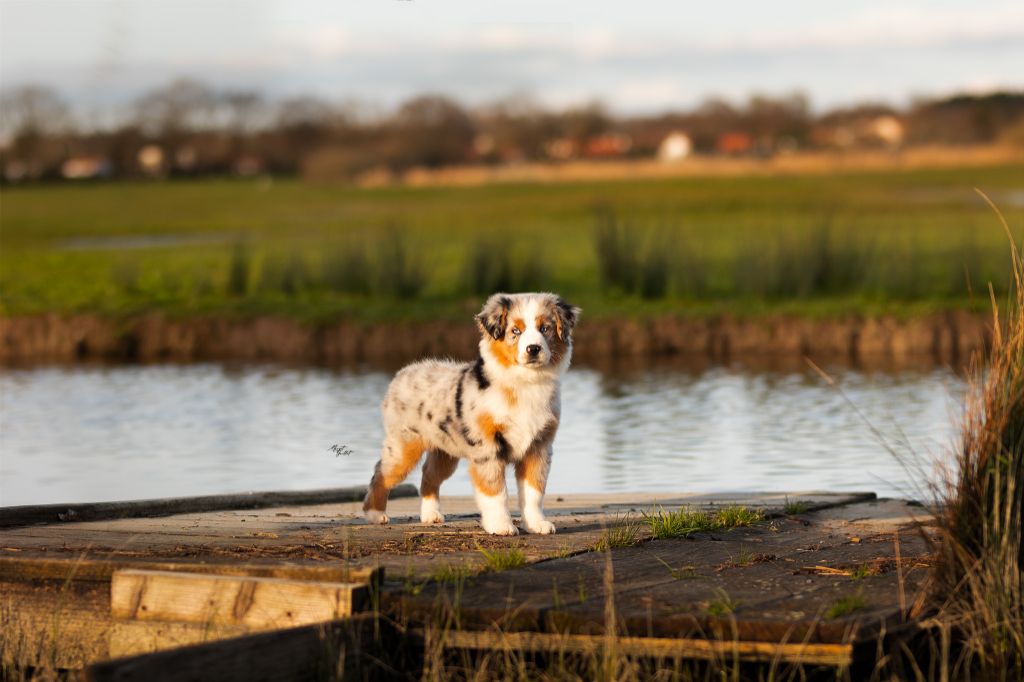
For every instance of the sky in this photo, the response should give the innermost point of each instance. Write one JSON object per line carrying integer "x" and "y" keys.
{"x": 636, "y": 56}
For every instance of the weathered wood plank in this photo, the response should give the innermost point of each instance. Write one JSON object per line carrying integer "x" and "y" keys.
{"x": 681, "y": 588}
{"x": 258, "y": 603}
{"x": 839, "y": 655}
{"x": 97, "y": 511}
{"x": 34, "y": 567}
{"x": 132, "y": 637}
{"x": 352, "y": 648}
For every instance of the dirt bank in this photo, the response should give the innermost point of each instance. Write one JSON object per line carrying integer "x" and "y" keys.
{"x": 941, "y": 338}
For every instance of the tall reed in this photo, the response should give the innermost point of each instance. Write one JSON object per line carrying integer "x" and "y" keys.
{"x": 617, "y": 257}
{"x": 978, "y": 580}
{"x": 400, "y": 269}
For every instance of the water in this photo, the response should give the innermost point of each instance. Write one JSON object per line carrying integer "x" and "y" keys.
{"x": 127, "y": 432}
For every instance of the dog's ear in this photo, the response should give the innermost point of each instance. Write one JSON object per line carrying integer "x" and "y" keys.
{"x": 565, "y": 318}
{"x": 493, "y": 319}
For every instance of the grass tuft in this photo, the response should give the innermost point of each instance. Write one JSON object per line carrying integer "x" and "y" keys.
{"x": 736, "y": 516}
{"x": 684, "y": 522}
{"x": 679, "y": 523}
{"x": 450, "y": 573}
{"x": 622, "y": 532}
{"x": 796, "y": 507}
{"x": 502, "y": 559}
{"x": 844, "y": 606}
{"x": 978, "y": 582}
{"x": 862, "y": 571}
{"x": 722, "y": 605}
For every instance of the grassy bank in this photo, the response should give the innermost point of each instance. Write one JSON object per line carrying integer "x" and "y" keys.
{"x": 897, "y": 242}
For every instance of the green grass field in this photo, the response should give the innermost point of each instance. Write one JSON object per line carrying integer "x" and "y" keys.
{"x": 900, "y": 242}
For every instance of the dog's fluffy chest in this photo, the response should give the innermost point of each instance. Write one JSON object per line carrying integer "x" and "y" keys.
{"x": 522, "y": 411}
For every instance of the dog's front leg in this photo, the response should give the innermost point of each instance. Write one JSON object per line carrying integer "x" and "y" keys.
{"x": 532, "y": 477}
{"x": 492, "y": 496}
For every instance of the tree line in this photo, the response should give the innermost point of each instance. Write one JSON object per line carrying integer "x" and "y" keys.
{"x": 187, "y": 128}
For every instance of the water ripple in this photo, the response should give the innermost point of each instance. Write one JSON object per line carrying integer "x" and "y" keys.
{"x": 90, "y": 434}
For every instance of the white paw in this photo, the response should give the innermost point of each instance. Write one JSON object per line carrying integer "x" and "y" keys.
{"x": 374, "y": 516}
{"x": 500, "y": 526}
{"x": 431, "y": 516}
{"x": 430, "y": 511}
{"x": 539, "y": 526}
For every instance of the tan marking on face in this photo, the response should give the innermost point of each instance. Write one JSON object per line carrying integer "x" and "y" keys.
{"x": 519, "y": 324}
{"x": 485, "y": 485}
{"x": 532, "y": 468}
{"x": 503, "y": 353}
{"x": 510, "y": 396}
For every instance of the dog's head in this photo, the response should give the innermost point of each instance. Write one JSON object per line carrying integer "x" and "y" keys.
{"x": 528, "y": 330}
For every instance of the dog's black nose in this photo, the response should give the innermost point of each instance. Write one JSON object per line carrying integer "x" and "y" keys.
{"x": 533, "y": 350}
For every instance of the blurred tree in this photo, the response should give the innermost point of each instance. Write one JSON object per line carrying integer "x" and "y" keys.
{"x": 583, "y": 123}
{"x": 516, "y": 127}
{"x": 246, "y": 111}
{"x": 33, "y": 117}
{"x": 432, "y": 131}
{"x": 964, "y": 119}
{"x": 770, "y": 119}
{"x": 171, "y": 112}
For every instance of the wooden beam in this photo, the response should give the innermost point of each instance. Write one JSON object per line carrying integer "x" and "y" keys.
{"x": 98, "y": 511}
{"x": 348, "y": 649}
{"x": 26, "y": 568}
{"x": 257, "y": 603}
{"x": 839, "y": 655}
{"x": 133, "y": 637}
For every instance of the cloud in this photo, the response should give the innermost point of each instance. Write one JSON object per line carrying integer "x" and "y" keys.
{"x": 835, "y": 53}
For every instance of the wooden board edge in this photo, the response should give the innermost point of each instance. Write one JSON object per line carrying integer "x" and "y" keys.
{"x": 175, "y": 596}
{"x": 27, "y": 515}
{"x": 96, "y": 569}
{"x": 837, "y": 655}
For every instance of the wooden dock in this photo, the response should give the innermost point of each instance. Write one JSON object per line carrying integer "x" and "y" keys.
{"x": 121, "y": 595}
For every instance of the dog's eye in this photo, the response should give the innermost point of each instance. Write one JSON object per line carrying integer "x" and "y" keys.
{"x": 544, "y": 329}
{"x": 515, "y": 331}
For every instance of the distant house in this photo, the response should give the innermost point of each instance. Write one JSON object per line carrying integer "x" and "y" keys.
{"x": 151, "y": 160}
{"x": 86, "y": 168}
{"x": 735, "y": 142}
{"x": 675, "y": 146}
{"x": 865, "y": 127}
{"x": 888, "y": 129}
{"x": 562, "y": 149}
{"x": 608, "y": 146}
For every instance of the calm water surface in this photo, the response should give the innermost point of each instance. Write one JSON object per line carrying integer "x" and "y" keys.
{"x": 94, "y": 434}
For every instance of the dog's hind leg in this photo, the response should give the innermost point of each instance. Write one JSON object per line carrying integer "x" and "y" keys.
{"x": 532, "y": 476}
{"x": 396, "y": 461}
{"x": 438, "y": 467}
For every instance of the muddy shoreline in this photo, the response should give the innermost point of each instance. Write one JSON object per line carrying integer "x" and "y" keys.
{"x": 947, "y": 338}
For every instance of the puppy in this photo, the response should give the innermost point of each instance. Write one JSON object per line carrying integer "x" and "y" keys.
{"x": 501, "y": 409}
